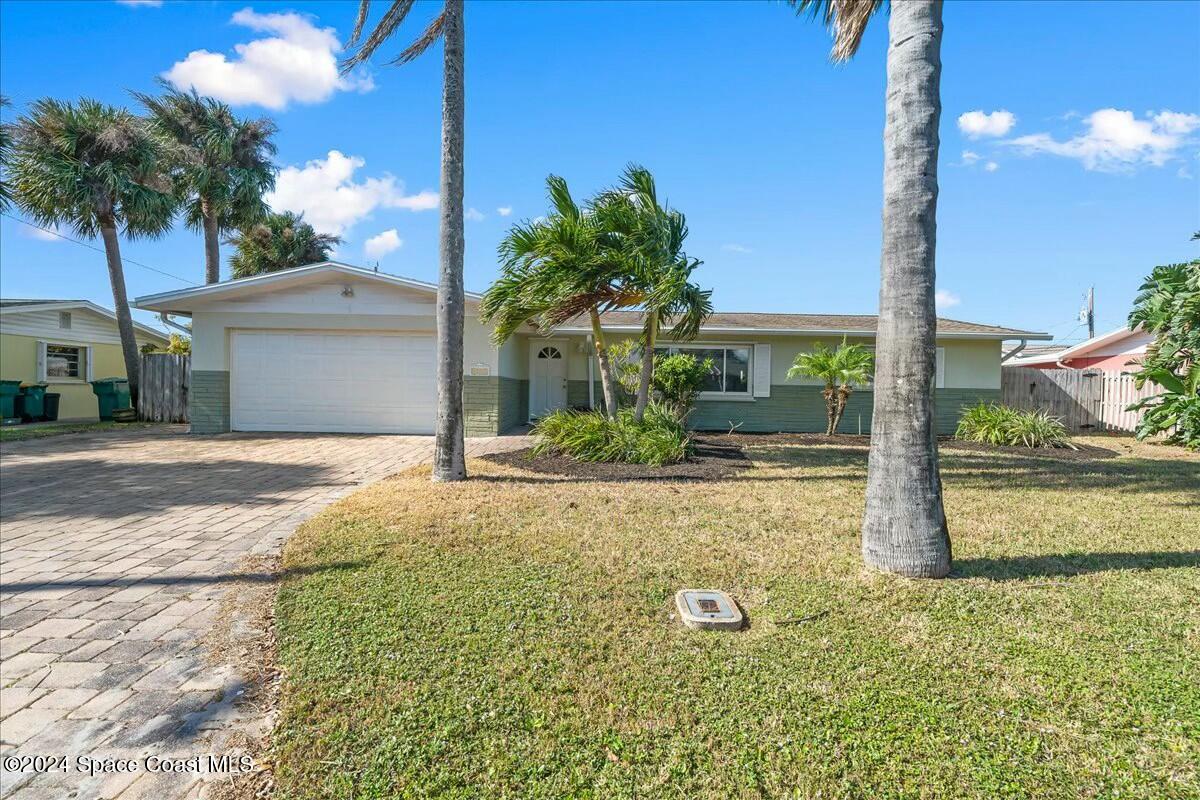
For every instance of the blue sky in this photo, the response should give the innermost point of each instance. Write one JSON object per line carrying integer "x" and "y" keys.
{"x": 1091, "y": 177}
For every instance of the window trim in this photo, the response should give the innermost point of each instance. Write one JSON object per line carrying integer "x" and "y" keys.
{"x": 86, "y": 351}
{"x": 721, "y": 395}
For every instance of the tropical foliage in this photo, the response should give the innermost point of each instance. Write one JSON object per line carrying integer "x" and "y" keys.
{"x": 677, "y": 379}
{"x": 651, "y": 237}
{"x": 556, "y": 268}
{"x": 658, "y": 438}
{"x": 1168, "y": 305}
{"x": 841, "y": 368}
{"x": 96, "y": 169}
{"x": 220, "y": 164}
{"x": 992, "y": 423}
{"x": 280, "y": 241}
{"x": 449, "y": 450}
{"x": 5, "y": 151}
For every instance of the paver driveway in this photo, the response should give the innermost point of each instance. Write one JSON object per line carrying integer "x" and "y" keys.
{"x": 114, "y": 551}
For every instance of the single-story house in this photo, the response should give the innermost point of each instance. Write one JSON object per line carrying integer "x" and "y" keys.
{"x": 65, "y": 343}
{"x": 1115, "y": 351}
{"x": 331, "y": 347}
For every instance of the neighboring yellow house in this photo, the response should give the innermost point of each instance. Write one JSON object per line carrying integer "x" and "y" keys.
{"x": 64, "y": 343}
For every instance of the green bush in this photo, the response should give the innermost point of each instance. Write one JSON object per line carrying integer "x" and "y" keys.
{"x": 991, "y": 423}
{"x": 590, "y": 436}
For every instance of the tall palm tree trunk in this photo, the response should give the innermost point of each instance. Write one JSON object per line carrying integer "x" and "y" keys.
{"x": 449, "y": 460}
{"x": 606, "y": 374}
{"x": 116, "y": 277}
{"x": 212, "y": 245}
{"x": 904, "y": 527}
{"x": 643, "y": 395}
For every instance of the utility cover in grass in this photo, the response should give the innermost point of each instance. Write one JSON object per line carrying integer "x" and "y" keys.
{"x": 708, "y": 609}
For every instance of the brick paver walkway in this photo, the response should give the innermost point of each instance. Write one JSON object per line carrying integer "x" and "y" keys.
{"x": 114, "y": 552}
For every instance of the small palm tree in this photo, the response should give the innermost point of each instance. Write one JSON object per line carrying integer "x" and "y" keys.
{"x": 555, "y": 269}
{"x": 280, "y": 241}
{"x": 841, "y": 368}
{"x": 652, "y": 238}
{"x": 94, "y": 168}
{"x": 5, "y": 153}
{"x": 904, "y": 526}
{"x": 449, "y": 450}
{"x": 221, "y": 165}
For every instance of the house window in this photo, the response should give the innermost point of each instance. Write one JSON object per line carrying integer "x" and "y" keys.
{"x": 549, "y": 352}
{"x": 65, "y": 361}
{"x": 64, "y": 320}
{"x": 731, "y": 367}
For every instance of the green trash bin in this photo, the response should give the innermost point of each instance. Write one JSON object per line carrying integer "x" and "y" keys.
{"x": 50, "y": 413}
{"x": 111, "y": 393}
{"x": 35, "y": 401}
{"x": 8, "y": 395}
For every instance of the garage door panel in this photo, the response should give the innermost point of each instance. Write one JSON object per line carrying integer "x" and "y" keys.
{"x": 339, "y": 382}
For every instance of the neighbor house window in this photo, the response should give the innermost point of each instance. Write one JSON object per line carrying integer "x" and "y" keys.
{"x": 64, "y": 361}
{"x": 731, "y": 366}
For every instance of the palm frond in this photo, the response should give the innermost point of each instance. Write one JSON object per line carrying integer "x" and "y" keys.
{"x": 423, "y": 42}
{"x": 360, "y": 22}
{"x": 391, "y": 20}
{"x": 846, "y": 19}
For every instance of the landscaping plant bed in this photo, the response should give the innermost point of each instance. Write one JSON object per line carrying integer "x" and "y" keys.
{"x": 1083, "y": 452}
{"x": 714, "y": 458}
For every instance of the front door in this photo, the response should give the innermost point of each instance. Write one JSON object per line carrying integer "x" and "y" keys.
{"x": 547, "y": 378}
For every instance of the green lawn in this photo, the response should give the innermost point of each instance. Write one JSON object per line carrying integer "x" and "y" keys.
{"x": 17, "y": 433}
{"x": 512, "y": 636}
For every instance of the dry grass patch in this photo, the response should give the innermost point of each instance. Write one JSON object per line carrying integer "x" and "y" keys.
{"x": 512, "y": 636}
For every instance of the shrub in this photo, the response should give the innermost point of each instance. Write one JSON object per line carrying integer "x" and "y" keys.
{"x": 678, "y": 379}
{"x": 590, "y": 436}
{"x": 992, "y": 423}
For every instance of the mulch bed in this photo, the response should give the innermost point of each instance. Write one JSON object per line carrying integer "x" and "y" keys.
{"x": 716, "y": 457}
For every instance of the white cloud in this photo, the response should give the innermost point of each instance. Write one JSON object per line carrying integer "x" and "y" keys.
{"x": 969, "y": 157}
{"x": 141, "y": 3}
{"x": 330, "y": 199}
{"x": 991, "y": 166}
{"x": 51, "y": 234}
{"x": 976, "y": 124}
{"x": 381, "y": 244}
{"x": 297, "y": 64}
{"x": 474, "y": 215}
{"x": 504, "y": 211}
{"x": 736, "y": 248}
{"x": 944, "y": 299}
{"x": 1116, "y": 141}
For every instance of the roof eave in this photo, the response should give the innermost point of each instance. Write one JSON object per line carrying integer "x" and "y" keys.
{"x": 998, "y": 335}
{"x": 87, "y": 304}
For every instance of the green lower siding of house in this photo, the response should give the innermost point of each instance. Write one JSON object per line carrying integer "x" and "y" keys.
{"x": 514, "y": 403}
{"x": 208, "y": 401}
{"x": 494, "y": 405}
{"x": 801, "y": 409}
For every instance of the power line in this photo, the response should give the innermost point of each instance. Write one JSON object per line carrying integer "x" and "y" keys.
{"x": 124, "y": 259}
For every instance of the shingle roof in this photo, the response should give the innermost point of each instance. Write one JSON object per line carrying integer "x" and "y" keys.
{"x": 806, "y": 323}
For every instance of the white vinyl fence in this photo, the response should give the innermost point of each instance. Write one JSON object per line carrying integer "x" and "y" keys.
{"x": 1084, "y": 399}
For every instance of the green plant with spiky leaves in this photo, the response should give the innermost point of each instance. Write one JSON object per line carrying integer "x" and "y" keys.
{"x": 220, "y": 164}
{"x": 651, "y": 236}
{"x": 841, "y": 368}
{"x": 1168, "y": 306}
{"x": 277, "y": 242}
{"x": 5, "y": 154}
{"x": 995, "y": 424}
{"x": 555, "y": 268}
{"x": 96, "y": 169}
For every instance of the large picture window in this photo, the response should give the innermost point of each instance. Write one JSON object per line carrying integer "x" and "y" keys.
{"x": 731, "y": 366}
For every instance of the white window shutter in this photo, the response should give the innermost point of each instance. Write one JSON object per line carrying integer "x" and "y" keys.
{"x": 762, "y": 370}
{"x": 940, "y": 368}
{"x": 41, "y": 362}
{"x": 87, "y": 364}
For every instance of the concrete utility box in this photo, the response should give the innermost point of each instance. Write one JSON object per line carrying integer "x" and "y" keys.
{"x": 708, "y": 609}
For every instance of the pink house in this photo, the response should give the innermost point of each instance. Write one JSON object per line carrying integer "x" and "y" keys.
{"x": 1116, "y": 351}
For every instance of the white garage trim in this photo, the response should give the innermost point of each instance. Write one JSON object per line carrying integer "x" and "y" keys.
{"x": 332, "y": 381}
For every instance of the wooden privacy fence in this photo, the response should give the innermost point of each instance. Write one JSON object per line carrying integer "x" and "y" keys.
{"x": 1085, "y": 400}
{"x": 163, "y": 395}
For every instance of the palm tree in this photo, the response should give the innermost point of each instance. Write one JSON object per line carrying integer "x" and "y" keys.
{"x": 95, "y": 168}
{"x": 841, "y": 369}
{"x": 280, "y": 241}
{"x": 660, "y": 271}
{"x": 5, "y": 152}
{"x": 555, "y": 269}
{"x": 904, "y": 527}
{"x": 449, "y": 455}
{"x": 221, "y": 165}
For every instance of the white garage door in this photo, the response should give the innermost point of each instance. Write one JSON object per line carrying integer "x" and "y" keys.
{"x": 336, "y": 382}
